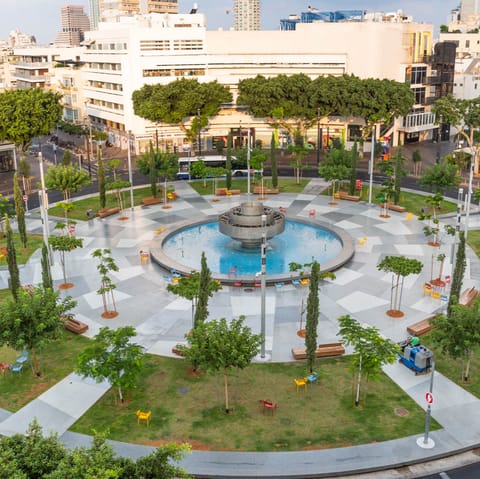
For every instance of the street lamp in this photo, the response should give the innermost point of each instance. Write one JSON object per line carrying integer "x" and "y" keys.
{"x": 319, "y": 137}
{"x": 370, "y": 166}
{"x": 199, "y": 134}
{"x": 129, "y": 160}
{"x": 248, "y": 164}
{"x": 44, "y": 207}
{"x": 262, "y": 284}
{"x": 469, "y": 195}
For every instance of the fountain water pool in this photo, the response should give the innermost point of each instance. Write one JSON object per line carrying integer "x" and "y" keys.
{"x": 300, "y": 243}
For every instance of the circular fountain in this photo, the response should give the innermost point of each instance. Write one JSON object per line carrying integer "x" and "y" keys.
{"x": 245, "y": 223}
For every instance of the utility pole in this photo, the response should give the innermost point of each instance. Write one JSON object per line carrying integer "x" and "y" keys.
{"x": 199, "y": 134}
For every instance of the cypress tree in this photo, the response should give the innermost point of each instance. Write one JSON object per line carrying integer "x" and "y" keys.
{"x": 228, "y": 165}
{"x": 20, "y": 211}
{"x": 47, "y": 280}
{"x": 353, "y": 172}
{"x": 201, "y": 312}
{"x": 458, "y": 273}
{"x": 273, "y": 161}
{"x": 12, "y": 261}
{"x": 312, "y": 316}
{"x": 101, "y": 179}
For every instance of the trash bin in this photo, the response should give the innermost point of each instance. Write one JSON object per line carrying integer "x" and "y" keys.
{"x": 89, "y": 213}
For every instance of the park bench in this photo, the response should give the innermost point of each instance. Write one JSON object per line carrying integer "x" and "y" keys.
{"x": 322, "y": 351}
{"x": 392, "y": 207}
{"x": 421, "y": 327}
{"x": 345, "y": 196}
{"x": 221, "y": 191}
{"x": 75, "y": 326}
{"x": 233, "y": 192}
{"x": 108, "y": 211}
{"x": 151, "y": 201}
{"x": 467, "y": 297}
{"x": 258, "y": 190}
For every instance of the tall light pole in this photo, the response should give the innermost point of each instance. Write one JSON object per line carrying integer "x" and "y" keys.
{"x": 263, "y": 284}
{"x": 199, "y": 134}
{"x": 469, "y": 194}
{"x": 129, "y": 160}
{"x": 44, "y": 207}
{"x": 370, "y": 166}
{"x": 248, "y": 164}
{"x": 319, "y": 137}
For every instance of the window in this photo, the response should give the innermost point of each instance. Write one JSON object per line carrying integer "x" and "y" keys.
{"x": 419, "y": 95}
{"x": 418, "y": 75}
{"x": 467, "y": 43}
{"x": 354, "y": 132}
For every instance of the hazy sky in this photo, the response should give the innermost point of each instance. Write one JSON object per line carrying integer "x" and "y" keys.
{"x": 41, "y": 18}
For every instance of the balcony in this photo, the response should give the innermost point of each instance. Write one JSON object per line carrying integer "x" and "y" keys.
{"x": 416, "y": 122}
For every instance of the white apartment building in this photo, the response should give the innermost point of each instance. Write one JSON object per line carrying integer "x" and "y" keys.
{"x": 110, "y": 10}
{"x": 246, "y": 15}
{"x": 121, "y": 57}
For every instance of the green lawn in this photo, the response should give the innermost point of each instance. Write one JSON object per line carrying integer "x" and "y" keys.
{"x": 190, "y": 408}
{"x": 473, "y": 240}
{"x": 33, "y": 243}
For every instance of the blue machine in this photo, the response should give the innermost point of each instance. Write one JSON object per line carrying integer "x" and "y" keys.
{"x": 417, "y": 358}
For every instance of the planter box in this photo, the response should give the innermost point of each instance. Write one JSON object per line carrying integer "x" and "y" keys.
{"x": 75, "y": 326}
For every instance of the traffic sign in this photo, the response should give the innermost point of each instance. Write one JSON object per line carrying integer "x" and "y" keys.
{"x": 429, "y": 398}
{"x": 25, "y": 198}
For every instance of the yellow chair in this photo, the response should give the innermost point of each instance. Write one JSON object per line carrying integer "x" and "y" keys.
{"x": 363, "y": 240}
{"x": 304, "y": 281}
{"x": 299, "y": 383}
{"x": 436, "y": 295}
{"x": 144, "y": 416}
{"x": 409, "y": 216}
{"x": 427, "y": 288}
{"x": 144, "y": 257}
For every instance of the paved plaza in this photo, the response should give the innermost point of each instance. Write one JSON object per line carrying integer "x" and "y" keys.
{"x": 162, "y": 319}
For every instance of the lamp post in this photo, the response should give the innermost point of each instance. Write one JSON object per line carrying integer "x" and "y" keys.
{"x": 262, "y": 283}
{"x": 469, "y": 195}
{"x": 319, "y": 137}
{"x": 199, "y": 134}
{"x": 44, "y": 207}
{"x": 370, "y": 167}
{"x": 89, "y": 148}
{"x": 426, "y": 442}
{"x": 248, "y": 164}
{"x": 129, "y": 161}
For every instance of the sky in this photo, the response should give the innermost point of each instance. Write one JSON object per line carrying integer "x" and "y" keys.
{"x": 41, "y": 18}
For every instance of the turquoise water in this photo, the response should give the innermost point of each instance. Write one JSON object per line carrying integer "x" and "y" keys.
{"x": 299, "y": 243}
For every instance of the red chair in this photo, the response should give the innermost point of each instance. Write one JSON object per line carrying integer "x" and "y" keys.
{"x": 268, "y": 405}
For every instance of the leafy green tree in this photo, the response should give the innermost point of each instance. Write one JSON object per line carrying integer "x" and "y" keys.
{"x": 47, "y": 281}
{"x": 399, "y": 173}
{"x": 206, "y": 287}
{"x": 66, "y": 158}
{"x": 273, "y": 162}
{"x": 32, "y": 320}
{"x": 105, "y": 265}
{"x": 12, "y": 261}
{"x": 27, "y": 113}
{"x": 228, "y": 163}
{"x": 297, "y": 153}
{"x": 20, "y": 211}
{"x": 218, "y": 346}
{"x": 179, "y": 103}
{"x": 401, "y": 267}
{"x": 64, "y": 243}
{"x": 6, "y": 210}
{"x": 372, "y": 351}
{"x": 312, "y": 316}
{"x": 439, "y": 177}
{"x": 24, "y": 170}
{"x": 353, "y": 169}
{"x": 432, "y": 228}
{"x": 113, "y": 357}
{"x": 458, "y": 273}
{"x": 102, "y": 196}
{"x": 117, "y": 184}
{"x": 417, "y": 162}
{"x": 336, "y": 166}
{"x": 458, "y": 334}
{"x": 66, "y": 178}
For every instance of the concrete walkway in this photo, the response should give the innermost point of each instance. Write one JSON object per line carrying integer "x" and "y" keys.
{"x": 161, "y": 320}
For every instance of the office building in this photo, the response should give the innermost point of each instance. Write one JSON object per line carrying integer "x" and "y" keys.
{"x": 74, "y": 23}
{"x": 111, "y": 10}
{"x": 94, "y": 14}
{"x": 246, "y": 15}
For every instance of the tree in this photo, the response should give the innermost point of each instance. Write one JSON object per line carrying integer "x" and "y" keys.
{"x": 353, "y": 169}
{"x": 372, "y": 351}
{"x": 439, "y": 177}
{"x": 20, "y": 211}
{"x": 206, "y": 288}
{"x": 64, "y": 243}
{"x": 182, "y": 102}
{"x": 458, "y": 273}
{"x": 417, "y": 162}
{"x": 312, "y": 316}
{"x": 24, "y": 171}
{"x": 12, "y": 261}
{"x": 66, "y": 178}
{"x": 401, "y": 267}
{"x": 458, "y": 334}
{"x": 105, "y": 265}
{"x": 399, "y": 173}
{"x": 336, "y": 166}
{"x": 228, "y": 163}
{"x": 33, "y": 319}
{"x": 297, "y": 153}
{"x": 6, "y": 210}
{"x": 117, "y": 184}
{"x": 218, "y": 346}
{"x": 66, "y": 158}
{"x": 273, "y": 162}
{"x": 113, "y": 357}
{"x": 47, "y": 281}
{"x": 26, "y": 113}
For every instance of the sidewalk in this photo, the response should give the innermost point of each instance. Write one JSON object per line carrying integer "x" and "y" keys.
{"x": 359, "y": 289}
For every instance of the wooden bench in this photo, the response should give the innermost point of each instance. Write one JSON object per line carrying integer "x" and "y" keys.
{"x": 221, "y": 191}
{"x": 151, "y": 201}
{"x": 258, "y": 190}
{"x": 108, "y": 212}
{"x": 345, "y": 196}
{"x": 468, "y": 296}
{"x": 75, "y": 326}
{"x": 233, "y": 192}
{"x": 322, "y": 351}
{"x": 392, "y": 207}
{"x": 421, "y": 327}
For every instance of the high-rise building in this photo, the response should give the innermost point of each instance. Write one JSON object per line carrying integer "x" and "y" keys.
{"x": 246, "y": 14}
{"x": 468, "y": 8}
{"x": 75, "y": 23}
{"x": 94, "y": 14}
{"x": 109, "y": 9}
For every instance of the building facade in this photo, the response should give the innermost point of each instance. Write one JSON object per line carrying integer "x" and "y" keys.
{"x": 121, "y": 57}
{"x": 74, "y": 23}
{"x": 111, "y": 9}
{"x": 246, "y": 15}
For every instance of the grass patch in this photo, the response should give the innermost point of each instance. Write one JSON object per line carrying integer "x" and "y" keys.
{"x": 23, "y": 254}
{"x": 473, "y": 241}
{"x": 187, "y": 408}
{"x": 57, "y": 360}
{"x": 285, "y": 185}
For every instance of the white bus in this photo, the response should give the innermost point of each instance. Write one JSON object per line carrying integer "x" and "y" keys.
{"x": 184, "y": 166}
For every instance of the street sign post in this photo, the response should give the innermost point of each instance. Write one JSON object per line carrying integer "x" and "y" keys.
{"x": 429, "y": 397}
